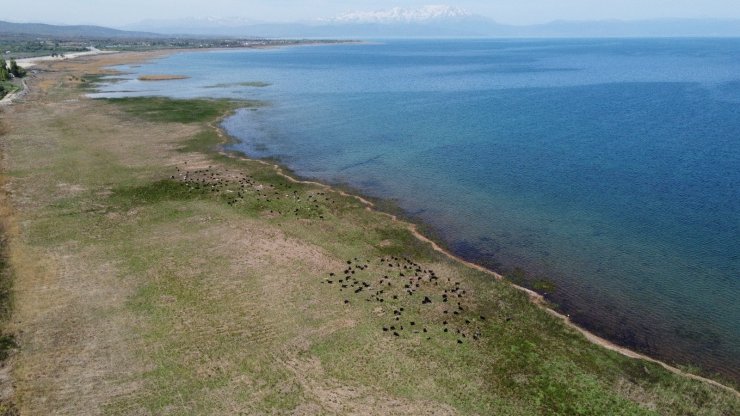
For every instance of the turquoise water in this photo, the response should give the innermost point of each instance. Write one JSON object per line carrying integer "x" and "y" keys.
{"x": 609, "y": 167}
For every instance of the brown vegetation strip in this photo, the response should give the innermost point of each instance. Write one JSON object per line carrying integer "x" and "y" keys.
{"x": 162, "y": 77}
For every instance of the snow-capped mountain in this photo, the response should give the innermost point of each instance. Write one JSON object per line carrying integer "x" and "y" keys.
{"x": 402, "y": 15}
{"x": 426, "y": 21}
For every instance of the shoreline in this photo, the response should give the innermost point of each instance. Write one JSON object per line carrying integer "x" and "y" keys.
{"x": 32, "y": 62}
{"x": 535, "y": 297}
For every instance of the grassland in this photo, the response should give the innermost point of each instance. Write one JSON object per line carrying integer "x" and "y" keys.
{"x": 154, "y": 274}
{"x": 8, "y": 87}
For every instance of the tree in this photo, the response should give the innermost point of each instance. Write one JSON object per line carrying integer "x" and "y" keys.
{"x": 17, "y": 71}
{"x": 4, "y": 74}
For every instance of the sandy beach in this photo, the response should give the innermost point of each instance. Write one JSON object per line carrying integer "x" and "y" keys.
{"x": 178, "y": 277}
{"x": 31, "y": 62}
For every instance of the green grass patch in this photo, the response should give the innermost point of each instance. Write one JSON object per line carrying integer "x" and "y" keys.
{"x": 7, "y": 87}
{"x": 5, "y": 285}
{"x": 397, "y": 241}
{"x": 202, "y": 142}
{"x": 163, "y": 190}
{"x": 160, "y": 109}
{"x": 7, "y": 341}
{"x": 90, "y": 82}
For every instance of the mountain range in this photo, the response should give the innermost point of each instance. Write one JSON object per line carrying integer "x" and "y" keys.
{"x": 439, "y": 21}
{"x": 423, "y": 22}
{"x": 423, "y": 14}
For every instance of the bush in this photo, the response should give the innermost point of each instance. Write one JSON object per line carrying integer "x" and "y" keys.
{"x": 15, "y": 70}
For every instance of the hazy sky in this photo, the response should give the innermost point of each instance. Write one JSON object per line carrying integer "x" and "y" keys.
{"x": 121, "y": 12}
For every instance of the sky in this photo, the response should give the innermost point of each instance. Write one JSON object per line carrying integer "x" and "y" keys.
{"x": 123, "y": 12}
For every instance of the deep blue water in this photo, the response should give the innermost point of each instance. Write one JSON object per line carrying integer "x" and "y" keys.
{"x": 611, "y": 167}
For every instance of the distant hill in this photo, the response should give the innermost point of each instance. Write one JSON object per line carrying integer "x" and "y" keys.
{"x": 81, "y": 31}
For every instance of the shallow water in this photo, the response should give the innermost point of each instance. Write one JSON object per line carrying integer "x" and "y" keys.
{"x": 610, "y": 167}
